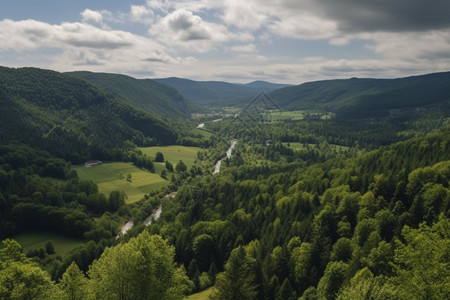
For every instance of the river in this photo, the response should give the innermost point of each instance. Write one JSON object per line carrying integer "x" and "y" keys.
{"x": 154, "y": 216}
{"x": 228, "y": 155}
{"x": 148, "y": 221}
{"x": 157, "y": 212}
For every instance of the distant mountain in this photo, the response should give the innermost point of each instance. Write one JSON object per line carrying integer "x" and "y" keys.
{"x": 71, "y": 118}
{"x": 357, "y": 97}
{"x": 150, "y": 95}
{"x": 218, "y": 93}
{"x": 264, "y": 86}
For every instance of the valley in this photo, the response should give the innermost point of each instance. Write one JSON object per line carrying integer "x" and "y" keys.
{"x": 324, "y": 190}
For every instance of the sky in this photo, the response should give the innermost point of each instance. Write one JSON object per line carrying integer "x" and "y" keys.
{"x": 282, "y": 41}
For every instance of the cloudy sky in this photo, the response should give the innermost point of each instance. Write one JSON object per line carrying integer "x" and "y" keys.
{"x": 290, "y": 41}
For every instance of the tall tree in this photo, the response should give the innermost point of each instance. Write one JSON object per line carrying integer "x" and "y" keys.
{"x": 238, "y": 280}
{"x": 74, "y": 283}
{"x": 143, "y": 268}
{"x": 159, "y": 157}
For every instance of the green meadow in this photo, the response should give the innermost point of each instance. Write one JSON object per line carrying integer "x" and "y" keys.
{"x": 173, "y": 154}
{"x": 203, "y": 295}
{"x": 31, "y": 240}
{"x": 278, "y": 116}
{"x": 112, "y": 177}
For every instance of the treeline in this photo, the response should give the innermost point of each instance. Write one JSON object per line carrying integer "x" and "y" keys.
{"x": 342, "y": 227}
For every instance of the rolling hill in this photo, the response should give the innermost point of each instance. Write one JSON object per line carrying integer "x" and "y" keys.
{"x": 71, "y": 118}
{"x": 150, "y": 95}
{"x": 218, "y": 93}
{"x": 357, "y": 97}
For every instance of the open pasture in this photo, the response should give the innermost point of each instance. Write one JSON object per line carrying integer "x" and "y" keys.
{"x": 293, "y": 115}
{"x": 203, "y": 295}
{"x": 32, "y": 240}
{"x": 174, "y": 154}
{"x": 113, "y": 177}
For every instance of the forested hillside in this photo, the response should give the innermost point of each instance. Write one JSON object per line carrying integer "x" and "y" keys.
{"x": 70, "y": 118}
{"x": 311, "y": 208}
{"x": 155, "y": 98}
{"x": 360, "y": 98}
{"x": 350, "y": 228}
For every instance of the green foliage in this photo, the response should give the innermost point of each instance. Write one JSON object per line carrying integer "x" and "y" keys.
{"x": 238, "y": 279}
{"x": 180, "y": 167}
{"x": 349, "y": 212}
{"x": 70, "y": 118}
{"x": 143, "y": 268}
{"x": 159, "y": 157}
{"x": 422, "y": 262}
{"x": 73, "y": 283}
{"x": 147, "y": 94}
{"x": 22, "y": 279}
{"x": 332, "y": 280}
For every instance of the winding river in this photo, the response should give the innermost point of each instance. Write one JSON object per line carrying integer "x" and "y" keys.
{"x": 228, "y": 155}
{"x": 148, "y": 221}
{"x": 157, "y": 212}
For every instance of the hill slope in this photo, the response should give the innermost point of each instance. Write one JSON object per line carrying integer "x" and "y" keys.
{"x": 368, "y": 97}
{"x": 218, "y": 93}
{"x": 150, "y": 95}
{"x": 69, "y": 117}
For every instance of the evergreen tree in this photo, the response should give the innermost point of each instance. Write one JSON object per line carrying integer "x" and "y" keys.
{"x": 159, "y": 157}
{"x": 237, "y": 282}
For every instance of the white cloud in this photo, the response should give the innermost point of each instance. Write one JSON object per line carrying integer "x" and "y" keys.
{"x": 238, "y": 40}
{"x": 141, "y": 13}
{"x": 91, "y": 15}
{"x": 85, "y": 46}
{"x": 243, "y": 14}
{"x": 411, "y": 46}
{"x": 188, "y": 31}
{"x": 250, "y": 48}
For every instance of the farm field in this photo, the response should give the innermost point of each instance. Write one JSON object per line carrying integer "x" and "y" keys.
{"x": 31, "y": 240}
{"x": 173, "y": 154}
{"x": 278, "y": 116}
{"x": 202, "y": 132}
{"x": 112, "y": 177}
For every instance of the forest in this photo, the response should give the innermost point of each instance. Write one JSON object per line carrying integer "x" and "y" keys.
{"x": 359, "y": 211}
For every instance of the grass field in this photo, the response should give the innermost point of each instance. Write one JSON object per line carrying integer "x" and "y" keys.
{"x": 174, "y": 154}
{"x": 112, "y": 177}
{"x": 203, "y": 295}
{"x": 202, "y": 132}
{"x": 31, "y": 240}
{"x": 277, "y": 116}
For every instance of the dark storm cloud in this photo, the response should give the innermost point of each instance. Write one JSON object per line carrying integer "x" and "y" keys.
{"x": 387, "y": 15}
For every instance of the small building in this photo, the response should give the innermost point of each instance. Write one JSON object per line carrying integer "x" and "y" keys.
{"x": 91, "y": 163}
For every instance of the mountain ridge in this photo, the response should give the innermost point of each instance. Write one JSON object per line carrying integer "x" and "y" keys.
{"x": 218, "y": 93}
{"x": 155, "y": 98}
{"x": 367, "y": 96}
{"x": 70, "y": 117}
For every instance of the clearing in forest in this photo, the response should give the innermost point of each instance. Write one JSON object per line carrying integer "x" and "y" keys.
{"x": 113, "y": 177}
